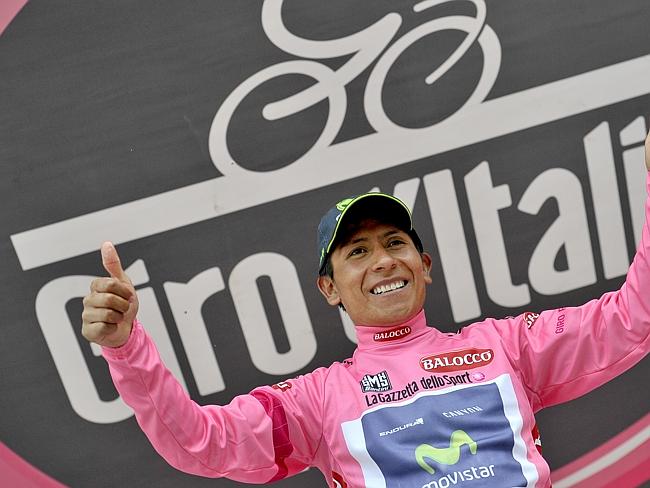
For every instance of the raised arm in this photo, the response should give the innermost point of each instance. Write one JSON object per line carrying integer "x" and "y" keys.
{"x": 258, "y": 437}
{"x": 567, "y": 352}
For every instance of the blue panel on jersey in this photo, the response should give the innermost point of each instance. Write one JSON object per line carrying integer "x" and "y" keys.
{"x": 457, "y": 438}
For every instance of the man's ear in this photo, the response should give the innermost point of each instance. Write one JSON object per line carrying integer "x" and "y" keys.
{"x": 426, "y": 267}
{"x": 327, "y": 287}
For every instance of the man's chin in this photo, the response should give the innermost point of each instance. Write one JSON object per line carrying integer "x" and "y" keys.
{"x": 387, "y": 318}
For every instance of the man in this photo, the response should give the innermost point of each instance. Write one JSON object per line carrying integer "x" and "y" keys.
{"x": 413, "y": 407}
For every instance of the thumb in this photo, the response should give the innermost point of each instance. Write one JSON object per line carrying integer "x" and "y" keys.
{"x": 111, "y": 261}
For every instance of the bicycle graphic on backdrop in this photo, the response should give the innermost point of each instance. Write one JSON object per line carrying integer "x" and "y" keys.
{"x": 364, "y": 47}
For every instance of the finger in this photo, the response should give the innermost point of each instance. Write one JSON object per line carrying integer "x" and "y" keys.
{"x": 97, "y": 330}
{"x": 111, "y": 261}
{"x": 104, "y": 315}
{"x": 107, "y": 300}
{"x": 112, "y": 285}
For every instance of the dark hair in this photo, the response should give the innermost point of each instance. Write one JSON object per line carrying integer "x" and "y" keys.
{"x": 327, "y": 269}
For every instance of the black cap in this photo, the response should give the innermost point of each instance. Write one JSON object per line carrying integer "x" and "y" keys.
{"x": 378, "y": 205}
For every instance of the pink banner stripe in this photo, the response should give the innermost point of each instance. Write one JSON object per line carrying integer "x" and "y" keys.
{"x": 598, "y": 468}
{"x": 634, "y": 469}
{"x": 15, "y": 471}
{"x": 8, "y": 10}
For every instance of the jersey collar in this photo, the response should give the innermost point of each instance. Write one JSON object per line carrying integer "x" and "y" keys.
{"x": 369, "y": 337}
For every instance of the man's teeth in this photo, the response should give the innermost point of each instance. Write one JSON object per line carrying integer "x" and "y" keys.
{"x": 384, "y": 288}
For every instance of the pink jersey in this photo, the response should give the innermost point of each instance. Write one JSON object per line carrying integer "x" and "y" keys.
{"x": 414, "y": 407}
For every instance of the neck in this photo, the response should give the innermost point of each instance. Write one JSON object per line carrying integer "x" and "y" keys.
{"x": 370, "y": 337}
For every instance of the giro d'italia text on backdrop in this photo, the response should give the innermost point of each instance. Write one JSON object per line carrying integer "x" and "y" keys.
{"x": 569, "y": 229}
{"x": 390, "y": 146}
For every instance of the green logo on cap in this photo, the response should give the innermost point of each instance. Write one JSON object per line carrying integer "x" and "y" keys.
{"x": 344, "y": 203}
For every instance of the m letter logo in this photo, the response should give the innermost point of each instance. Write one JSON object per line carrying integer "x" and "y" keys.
{"x": 375, "y": 382}
{"x": 447, "y": 455}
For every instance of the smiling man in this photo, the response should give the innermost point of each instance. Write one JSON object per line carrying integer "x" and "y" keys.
{"x": 413, "y": 407}
{"x": 381, "y": 270}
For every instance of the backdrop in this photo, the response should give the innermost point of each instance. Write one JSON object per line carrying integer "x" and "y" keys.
{"x": 207, "y": 138}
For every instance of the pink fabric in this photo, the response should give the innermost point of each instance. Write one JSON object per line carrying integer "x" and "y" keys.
{"x": 8, "y": 10}
{"x": 385, "y": 415}
{"x": 281, "y": 442}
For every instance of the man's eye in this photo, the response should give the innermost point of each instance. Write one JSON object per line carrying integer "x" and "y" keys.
{"x": 395, "y": 242}
{"x": 356, "y": 251}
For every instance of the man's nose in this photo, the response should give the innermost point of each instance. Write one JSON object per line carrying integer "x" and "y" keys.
{"x": 383, "y": 260}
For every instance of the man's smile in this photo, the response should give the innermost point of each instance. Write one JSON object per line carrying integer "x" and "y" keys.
{"x": 388, "y": 287}
{"x": 379, "y": 275}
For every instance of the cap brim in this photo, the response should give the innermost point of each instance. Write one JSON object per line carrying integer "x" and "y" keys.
{"x": 401, "y": 213}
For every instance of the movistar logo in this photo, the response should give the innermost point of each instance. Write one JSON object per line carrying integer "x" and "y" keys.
{"x": 446, "y": 455}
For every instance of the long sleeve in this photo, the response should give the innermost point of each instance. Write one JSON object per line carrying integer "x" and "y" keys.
{"x": 256, "y": 438}
{"x": 565, "y": 353}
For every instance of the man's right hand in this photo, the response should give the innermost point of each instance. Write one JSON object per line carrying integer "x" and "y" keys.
{"x": 111, "y": 305}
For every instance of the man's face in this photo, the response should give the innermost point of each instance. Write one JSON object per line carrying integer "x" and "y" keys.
{"x": 379, "y": 275}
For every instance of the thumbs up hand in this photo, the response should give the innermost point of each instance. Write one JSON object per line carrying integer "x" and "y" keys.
{"x": 111, "y": 305}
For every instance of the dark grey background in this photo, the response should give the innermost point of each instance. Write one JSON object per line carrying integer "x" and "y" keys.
{"x": 106, "y": 102}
